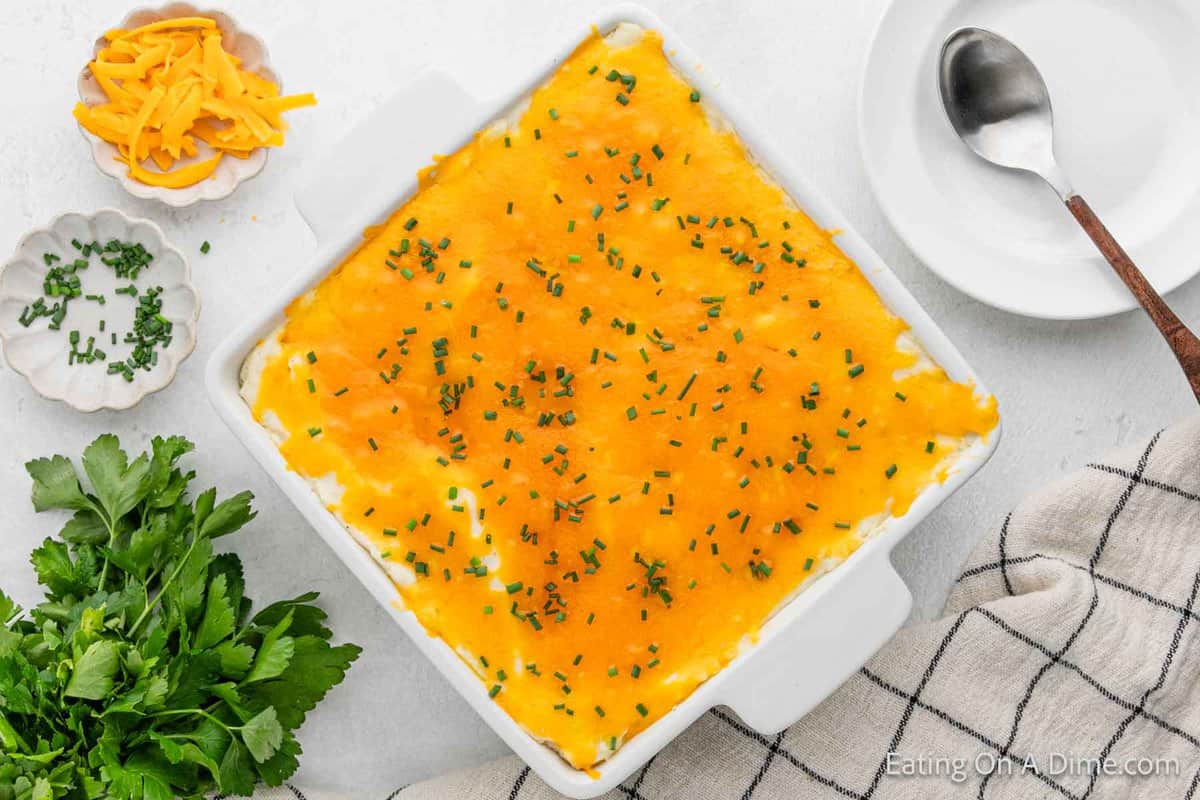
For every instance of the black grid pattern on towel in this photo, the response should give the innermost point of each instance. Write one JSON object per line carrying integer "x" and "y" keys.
{"x": 774, "y": 755}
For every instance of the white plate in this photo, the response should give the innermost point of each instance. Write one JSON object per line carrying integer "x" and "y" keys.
{"x": 1125, "y": 80}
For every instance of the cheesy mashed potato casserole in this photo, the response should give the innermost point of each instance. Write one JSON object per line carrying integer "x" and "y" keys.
{"x": 601, "y": 398}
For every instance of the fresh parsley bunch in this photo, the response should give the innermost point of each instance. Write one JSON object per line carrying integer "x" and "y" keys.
{"x": 143, "y": 675}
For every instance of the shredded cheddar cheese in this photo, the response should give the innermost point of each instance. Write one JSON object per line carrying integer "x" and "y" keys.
{"x": 601, "y": 398}
{"x": 170, "y": 84}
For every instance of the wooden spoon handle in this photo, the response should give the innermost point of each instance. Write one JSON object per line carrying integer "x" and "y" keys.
{"x": 1183, "y": 342}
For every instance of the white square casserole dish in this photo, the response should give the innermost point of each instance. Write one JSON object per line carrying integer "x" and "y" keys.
{"x": 811, "y": 644}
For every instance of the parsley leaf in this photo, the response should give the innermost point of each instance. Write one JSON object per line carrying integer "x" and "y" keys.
{"x": 228, "y": 516}
{"x": 54, "y": 567}
{"x": 315, "y": 668}
{"x": 86, "y": 527}
{"x": 279, "y": 767}
{"x": 218, "y": 615}
{"x": 263, "y": 734}
{"x": 55, "y": 484}
{"x": 236, "y": 775}
{"x": 275, "y": 652}
{"x": 118, "y": 483}
{"x": 7, "y": 607}
{"x": 95, "y": 671}
{"x": 143, "y": 675}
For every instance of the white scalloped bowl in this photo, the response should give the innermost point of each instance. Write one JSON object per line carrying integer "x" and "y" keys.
{"x": 41, "y": 354}
{"x": 230, "y": 173}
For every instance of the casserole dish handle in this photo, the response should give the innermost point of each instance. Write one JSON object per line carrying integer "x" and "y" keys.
{"x": 362, "y": 171}
{"x": 806, "y": 658}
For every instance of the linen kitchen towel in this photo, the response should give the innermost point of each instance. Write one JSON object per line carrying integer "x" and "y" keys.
{"x": 1066, "y": 665}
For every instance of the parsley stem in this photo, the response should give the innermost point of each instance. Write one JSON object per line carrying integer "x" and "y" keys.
{"x": 9, "y": 737}
{"x": 167, "y": 583}
{"x": 112, "y": 538}
{"x": 199, "y": 711}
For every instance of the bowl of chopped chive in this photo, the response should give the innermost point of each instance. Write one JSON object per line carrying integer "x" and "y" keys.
{"x": 97, "y": 310}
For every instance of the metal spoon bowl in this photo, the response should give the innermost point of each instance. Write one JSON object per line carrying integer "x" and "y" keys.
{"x": 998, "y": 104}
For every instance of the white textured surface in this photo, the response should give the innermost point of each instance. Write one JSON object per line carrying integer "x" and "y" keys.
{"x": 1068, "y": 390}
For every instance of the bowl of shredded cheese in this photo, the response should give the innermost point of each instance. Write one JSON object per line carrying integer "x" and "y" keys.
{"x": 180, "y": 105}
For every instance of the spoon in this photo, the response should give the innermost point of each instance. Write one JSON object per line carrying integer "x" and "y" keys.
{"x": 998, "y": 104}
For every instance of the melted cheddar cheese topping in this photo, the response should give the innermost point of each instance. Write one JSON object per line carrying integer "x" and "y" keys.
{"x": 601, "y": 398}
